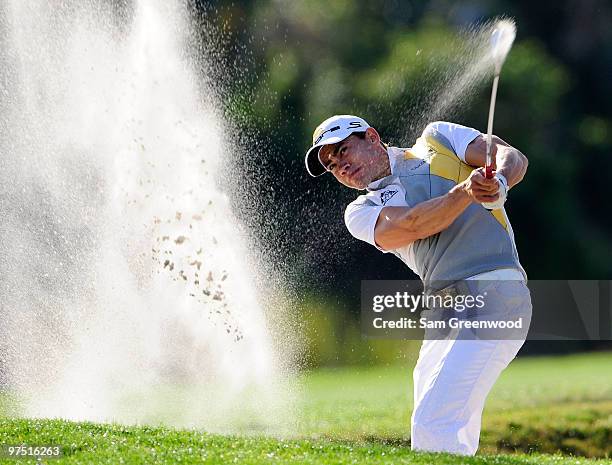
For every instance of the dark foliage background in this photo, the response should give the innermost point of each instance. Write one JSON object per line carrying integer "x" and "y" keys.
{"x": 285, "y": 66}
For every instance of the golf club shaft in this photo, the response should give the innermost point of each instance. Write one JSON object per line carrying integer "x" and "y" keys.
{"x": 489, "y": 162}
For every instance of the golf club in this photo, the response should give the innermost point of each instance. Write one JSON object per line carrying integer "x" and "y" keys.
{"x": 501, "y": 41}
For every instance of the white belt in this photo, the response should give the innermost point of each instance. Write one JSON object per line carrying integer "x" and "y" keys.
{"x": 502, "y": 274}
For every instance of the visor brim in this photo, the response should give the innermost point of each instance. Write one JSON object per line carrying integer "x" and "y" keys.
{"x": 313, "y": 165}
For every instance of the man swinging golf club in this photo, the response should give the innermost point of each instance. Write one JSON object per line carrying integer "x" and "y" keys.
{"x": 433, "y": 207}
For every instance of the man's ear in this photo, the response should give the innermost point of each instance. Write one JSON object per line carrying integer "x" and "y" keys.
{"x": 372, "y": 135}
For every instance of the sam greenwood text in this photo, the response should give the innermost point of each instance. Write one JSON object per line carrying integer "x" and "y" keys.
{"x": 451, "y": 323}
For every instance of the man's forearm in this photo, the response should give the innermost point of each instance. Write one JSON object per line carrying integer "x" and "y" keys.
{"x": 511, "y": 164}
{"x": 399, "y": 226}
{"x": 509, "y": 161}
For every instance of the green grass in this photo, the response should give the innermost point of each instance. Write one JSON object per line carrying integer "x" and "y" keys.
{"x": 545, "y": 404}
{"x": 353, "y": 415}
{"x": 88, "y": 443}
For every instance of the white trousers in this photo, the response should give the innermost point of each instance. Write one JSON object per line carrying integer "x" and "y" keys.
{"x": 452, "y": 379}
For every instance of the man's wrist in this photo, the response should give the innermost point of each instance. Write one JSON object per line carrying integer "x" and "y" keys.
{"x": 502, "y": 179}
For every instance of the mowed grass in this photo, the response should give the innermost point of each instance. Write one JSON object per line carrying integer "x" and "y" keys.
{"x": 352, "y": 416}
{"x": 544, "y": 404}
{"x": 87, "y": 443}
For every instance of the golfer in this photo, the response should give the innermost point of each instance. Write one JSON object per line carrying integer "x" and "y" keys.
{"x": 432, "y": 207}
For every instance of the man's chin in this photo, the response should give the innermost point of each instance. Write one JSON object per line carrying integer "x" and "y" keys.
{"x": 359, "y": 186}
{"x": 362, "y": 183}
{"x": 356, "y": 183}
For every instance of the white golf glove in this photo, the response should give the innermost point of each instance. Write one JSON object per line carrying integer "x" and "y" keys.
{"x": 503, "y": 194}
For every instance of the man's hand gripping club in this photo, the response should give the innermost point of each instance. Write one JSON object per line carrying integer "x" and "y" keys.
{"x": 490, "y": 192}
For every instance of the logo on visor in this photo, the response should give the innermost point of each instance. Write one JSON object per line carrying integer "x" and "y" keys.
{"x": 318, "y": 139}
{"x": 386, "y": 196}
{"x": 319, "y": 133}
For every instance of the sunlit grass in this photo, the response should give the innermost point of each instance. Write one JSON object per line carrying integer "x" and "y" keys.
{"x": 361, "y": 415}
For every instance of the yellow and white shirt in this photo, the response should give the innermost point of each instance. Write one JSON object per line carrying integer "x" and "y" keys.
{"x": 478, "y": 241}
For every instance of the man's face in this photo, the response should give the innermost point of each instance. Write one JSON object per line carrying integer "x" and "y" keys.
{"x": 355, "y": 162}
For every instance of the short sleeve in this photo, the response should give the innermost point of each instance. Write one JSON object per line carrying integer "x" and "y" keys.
{"x": 459, "y": 136}
{"x": 360, "y": 219}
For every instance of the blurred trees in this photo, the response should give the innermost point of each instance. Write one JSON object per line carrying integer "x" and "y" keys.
{"x": 293, "y": 64}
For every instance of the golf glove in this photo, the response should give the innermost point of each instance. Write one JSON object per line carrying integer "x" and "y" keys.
{"x": 503, "y": 194}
